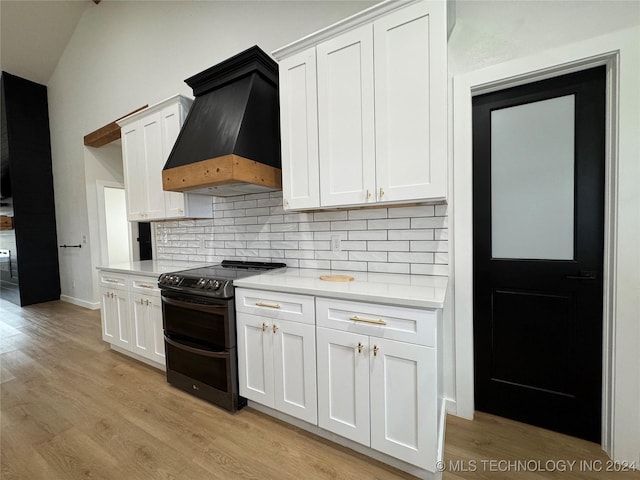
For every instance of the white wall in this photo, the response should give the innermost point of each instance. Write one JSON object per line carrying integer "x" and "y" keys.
{"x": 127, "y": 54}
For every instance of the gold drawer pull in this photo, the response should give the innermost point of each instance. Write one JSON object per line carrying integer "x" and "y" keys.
{"x": 111, "y": 280}
{"x": 146, "y": 285}
{"x": 268, "y": 305}
{"x": 378, "y": 321}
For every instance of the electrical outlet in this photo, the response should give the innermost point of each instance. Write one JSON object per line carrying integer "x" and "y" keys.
{"x": 335, "y": 243}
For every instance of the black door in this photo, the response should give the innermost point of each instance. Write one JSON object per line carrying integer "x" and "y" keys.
{"x": 538, "y": 223}
{"x": 144, "y": 239}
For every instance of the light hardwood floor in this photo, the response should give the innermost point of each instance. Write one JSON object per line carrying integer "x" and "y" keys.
{"x": 73, "y": 409}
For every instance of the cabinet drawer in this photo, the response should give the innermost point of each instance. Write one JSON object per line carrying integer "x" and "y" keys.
{"x": 385, "y": 321}
{"x": 114, "y": 280}
{"x": 145, "y": 285}
{"x": 284, "y": 306}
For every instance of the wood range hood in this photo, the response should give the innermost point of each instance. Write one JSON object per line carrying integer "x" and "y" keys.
{"x": 230, "y": 141}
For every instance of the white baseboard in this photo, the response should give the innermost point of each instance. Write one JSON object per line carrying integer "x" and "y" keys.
{"x": 80, "y": 303}
{"x": 394, "y": 462}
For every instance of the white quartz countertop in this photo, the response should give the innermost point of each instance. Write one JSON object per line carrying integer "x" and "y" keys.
{"x": 151, "y": 267}
{"x": 421, "y": 291}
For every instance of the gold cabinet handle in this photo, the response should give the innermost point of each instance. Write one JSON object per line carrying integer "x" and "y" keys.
{"x": 268, "y": 305}
{"x": 375, "y": 350}
{"x": 264, "y": 326}
{"x": 360, "y": 347}
{"x": 377, "y": 321}
{"x": 142, "y": 301}
{"x": 381, "y": 192}
{"x": 368, "y": 193}
{"x": 110, "y": 280}
{"x": 275, "y": 328}
{"x": 285, "y": 202}
{"x": 146, "y": 285}
{"x": 147, "y": 302}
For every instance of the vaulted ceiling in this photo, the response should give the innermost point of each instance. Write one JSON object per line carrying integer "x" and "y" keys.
{"x": 34, "y": 33}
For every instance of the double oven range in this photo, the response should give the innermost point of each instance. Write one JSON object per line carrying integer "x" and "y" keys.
{"x": 198, "y": 313}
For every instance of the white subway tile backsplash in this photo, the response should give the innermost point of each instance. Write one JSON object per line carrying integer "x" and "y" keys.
{"x": 368, "y": 235}
{"x": 411, "y": 257}
{"x": 389, "y": 246}
{"x": 429, "y": 222}
{"x": 349, "y": 225}
{"x": 320, "y": 264}
{"x": 366, "y": 213}
{"x": 413, "y": 211}
{"x": 324, "y": 216}
{"x": 356, "y": 266}
{"x": 396, "y": 223}
{"x": 429, "y": 246}
{"x": 389, "y": 267}
{"x": 405, "y": 239}
{"x": 417, "y": 234}
{"x": 368, "y": 256}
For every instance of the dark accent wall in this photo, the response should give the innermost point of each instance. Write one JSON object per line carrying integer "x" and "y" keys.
{"x": 26, "y": 157}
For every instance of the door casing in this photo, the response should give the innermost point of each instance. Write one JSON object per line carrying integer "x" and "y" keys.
{"x": 503, "y": 76}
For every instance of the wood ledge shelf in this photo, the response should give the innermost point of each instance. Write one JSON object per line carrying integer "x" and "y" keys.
{"x": 108, "y": 133}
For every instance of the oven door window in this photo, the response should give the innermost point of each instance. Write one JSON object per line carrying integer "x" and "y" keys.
{"x": 210, "y": 368}
{"x": 205, "y": 326}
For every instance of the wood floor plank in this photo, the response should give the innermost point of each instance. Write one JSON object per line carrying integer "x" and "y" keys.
{"x": 72, "y": 408}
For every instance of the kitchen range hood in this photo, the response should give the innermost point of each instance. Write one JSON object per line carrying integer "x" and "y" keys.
{"x": 230, "y": 142}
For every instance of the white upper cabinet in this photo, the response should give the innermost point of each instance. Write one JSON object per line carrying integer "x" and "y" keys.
{"x": 380, "y": 120}
{"x": 346, "y": 118}
{"x": 411, "y": 103}
{"x": 147, "y": 139}
{"x": 299, "y": 116}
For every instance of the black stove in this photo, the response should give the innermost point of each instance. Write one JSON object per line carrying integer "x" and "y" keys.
{"x": 198, "y": 316}
{"x": 215, "y": 280}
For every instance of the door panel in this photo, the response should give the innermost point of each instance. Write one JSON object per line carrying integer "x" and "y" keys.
{"x": 140, "y": 325}
{"x": 538, "y": 221}
{"x": 295, "y": 370}
{"x": 121, "y": 304}
{"x": 346, "y": 117}
{"x": 343, "y": 384}
{"x": 255, "y": 359}
{"x": 403, "y": 379}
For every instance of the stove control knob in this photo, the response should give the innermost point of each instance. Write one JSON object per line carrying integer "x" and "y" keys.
{"x": 176, "y": 279}
{"x": 202, "y": 283}
{"x": 216, "y": 284}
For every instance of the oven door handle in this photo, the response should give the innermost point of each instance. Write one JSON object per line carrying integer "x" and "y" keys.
{"x": 197, "y": 351}
{"x": 194, "y": 306}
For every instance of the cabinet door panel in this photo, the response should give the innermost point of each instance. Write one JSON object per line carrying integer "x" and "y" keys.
{"x": 255, "y": 358}
{"x": 343, "y": 384}
{"x": 152, "y": 153}
{"x": 346, "y": 121}
{"x": 134, "y": 172}
{"x": 156, "y": 332}
{"x": 171, "y": 121}
{"x": 403, "y": 389}
{"x": 140, "y": 325}
{"x": 109, "y": 317}
{"x": 410, "y": 96}
{"x": 299, "y": 130}
{"x": 295, "y": 370}
{"x": 121, "y": 307}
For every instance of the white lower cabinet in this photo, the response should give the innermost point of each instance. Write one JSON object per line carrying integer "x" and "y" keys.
{"x": 277, "y": 351}
{"x": 116, "y": 327}
{"x": 132, "y": 315}
{"x": 380, "y": 393}
{"x": 372, "y": 369}
{"x": 277, "y": 364}
{"x": 146, "y": 320}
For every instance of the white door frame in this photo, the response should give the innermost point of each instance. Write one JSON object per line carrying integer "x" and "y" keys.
{"x": 605, "y": 50}
{"x": 102, "y": 220}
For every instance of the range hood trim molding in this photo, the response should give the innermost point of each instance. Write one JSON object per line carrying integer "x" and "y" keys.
{"x": 252, "y": 60}
{"x": 220, "y": 171}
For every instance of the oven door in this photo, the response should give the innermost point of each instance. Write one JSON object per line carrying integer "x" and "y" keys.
{"x": 205, "y": 322}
